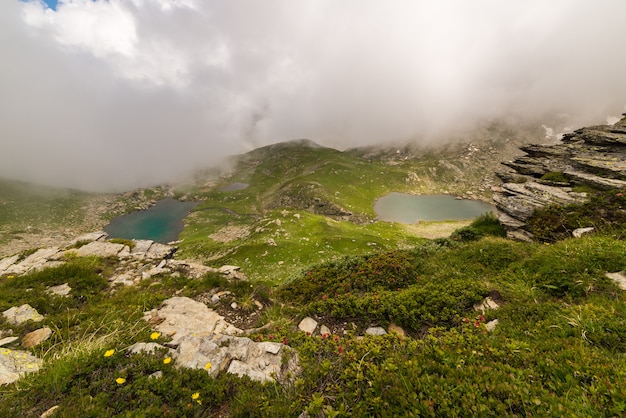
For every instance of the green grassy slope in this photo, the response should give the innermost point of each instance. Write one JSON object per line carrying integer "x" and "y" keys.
{"x": 315, "y": 204}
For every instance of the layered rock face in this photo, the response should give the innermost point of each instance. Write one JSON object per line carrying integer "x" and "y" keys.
{"x": 593, "y": 156}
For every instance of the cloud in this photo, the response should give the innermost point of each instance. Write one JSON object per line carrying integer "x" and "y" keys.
{"x": 115, "y": 94}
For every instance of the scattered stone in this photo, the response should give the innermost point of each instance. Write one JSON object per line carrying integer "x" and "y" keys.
{"x": 395, "y": 329}
{"x": 271, "y": 242}
{"x": 491, "y": 325}
{"x": 232, "y": 272}
{"x": 36, "y": 337}
{"x": 7, "y": 340}
{"x": 308, "y": 325}
{"x": 324, "y": 330}
{"x": 50, "y": 412}
{"x": 375, "y": 331}
{"x": 60, "y": 290}
{"x": 124, "y": 279}
{"x": 234, "y": 305}
{"x": 21, "y": 314}
{"x": 487, "y": 304}
{"x": 15, "y": 363}
{"x": 156, "y": 375}
{"x": 579, "y": 232}
{"x": 619, "y": 278}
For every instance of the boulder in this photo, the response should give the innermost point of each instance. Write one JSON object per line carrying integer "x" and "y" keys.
{"x": 181, "y": 316}
{"x": 262, "y": 361}
{"x": 15, "y": 363}
{"x": 100, "y": 249}
{"x": 21, "y": 314}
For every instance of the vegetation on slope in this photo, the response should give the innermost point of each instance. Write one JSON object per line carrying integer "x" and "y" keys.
{"x": 558, "y": 348}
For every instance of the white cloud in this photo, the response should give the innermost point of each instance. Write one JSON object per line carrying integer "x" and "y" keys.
{"x": 136, "y": 91}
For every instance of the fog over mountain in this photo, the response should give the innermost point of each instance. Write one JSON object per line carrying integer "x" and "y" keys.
{"x": 121, "y": 93}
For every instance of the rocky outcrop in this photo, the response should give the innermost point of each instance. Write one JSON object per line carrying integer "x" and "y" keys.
{"x": 139, "y": 260}
{"x": 202, "y": 339}
{"x": 593, "y": 156}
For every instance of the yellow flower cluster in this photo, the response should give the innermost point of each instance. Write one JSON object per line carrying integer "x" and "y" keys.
{"x": 109, "y": 353}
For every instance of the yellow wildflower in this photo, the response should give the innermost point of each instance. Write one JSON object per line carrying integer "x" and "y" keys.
{"x": 109, "y": 353}
{"x": 120, "y": 380}
{"x": 10, "y": 277}
{"x": 155, "y": 335}
{"x": 208, "y": 365}
{"x": 195, "y": 396}
{"x": 167, "y": 360}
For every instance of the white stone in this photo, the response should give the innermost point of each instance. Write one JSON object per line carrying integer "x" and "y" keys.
{"x": 491, "y": 325}
{"x": 308, "y": 325}
{"x": 579, "y": 232}
{"x": 375, "y": 331}
{"x": 487, "y": 304}
{"x": 49, "y": 412}
{"x": 60, "y": 290}
{"x": 7, "y": 340}
{"x": 270, "y": 347}
{"x": 324, "y": 330}
{"x": 619, "y": 278}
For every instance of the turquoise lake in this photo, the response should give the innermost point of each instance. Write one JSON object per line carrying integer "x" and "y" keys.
{"x": 410, "y": 209}
{"x": 162, "y": 222}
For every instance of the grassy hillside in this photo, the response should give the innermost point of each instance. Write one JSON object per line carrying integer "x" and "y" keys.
{"x": 316, "y": 204}
{"x": 558, "y": 348}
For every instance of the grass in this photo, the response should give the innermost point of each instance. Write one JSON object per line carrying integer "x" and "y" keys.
{"x": 558, "y": 348}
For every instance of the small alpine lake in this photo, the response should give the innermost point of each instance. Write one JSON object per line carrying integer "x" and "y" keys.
{"x": 162, "y": 222}
{"x": 409, "y": 209}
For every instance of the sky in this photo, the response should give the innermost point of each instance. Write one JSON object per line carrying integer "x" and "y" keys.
{"x": 116, "y": 94}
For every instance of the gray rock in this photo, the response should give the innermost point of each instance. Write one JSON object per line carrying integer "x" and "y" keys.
{"x": 237, "y": 355}
{"x": 375, "y": 331}
{"x": 15, "y": 363}
{"x": 593, "y": 156}
{"x": 7, "y": 262}
{"x": 308, "y": 325}
{"x": 182, "y": 316}
{"x": 100, "y": 249}
{"x": 60, "y": 290}
{"x": 21, "y": 314}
